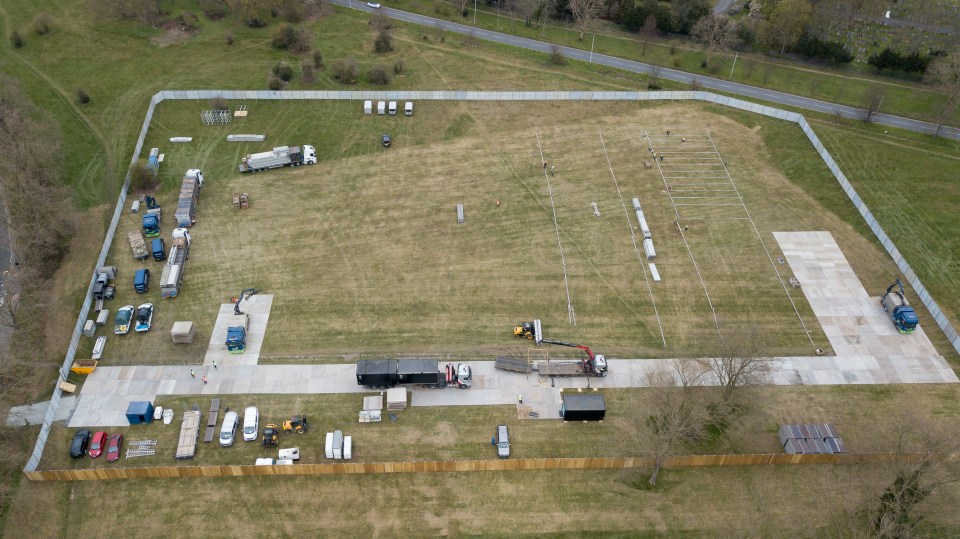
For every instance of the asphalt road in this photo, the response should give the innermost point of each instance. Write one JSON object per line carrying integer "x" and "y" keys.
{"x": 709, "y": 83}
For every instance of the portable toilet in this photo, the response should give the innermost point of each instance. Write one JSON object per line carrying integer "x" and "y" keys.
{"x": 103, "y": 316}
{"x": 393, "y": 108}
{"x": 408, "y": 108}
{"x": 381, "y": 107}
{"x": 368, "y": 107}
{"x": 140, "y": 412}
{"x": 328, "y": 446}
{"x": 89, "y": 328}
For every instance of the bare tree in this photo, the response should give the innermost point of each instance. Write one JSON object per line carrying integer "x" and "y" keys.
{"x": 715, "y": 33}
{"x": 944, "y": 74}
{"x": 872, "y": 100}
{"x": 585, "y": 13}
{"x": 647, "y": 31}
{"x": 741, "y": 364}
{"x": 653, "y": 81}
{"x": 462, "y": 6}
{"x": 678, "y": 413}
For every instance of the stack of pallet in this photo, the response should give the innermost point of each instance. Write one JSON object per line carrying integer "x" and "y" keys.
{"x": 183, "y": 332}
{"x": 372, "y": 409}
{"x": 810, "y": 438}
{"x": 397, "y": 398}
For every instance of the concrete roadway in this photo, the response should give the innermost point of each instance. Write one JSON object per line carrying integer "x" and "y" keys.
{"x": 743, "y": 90}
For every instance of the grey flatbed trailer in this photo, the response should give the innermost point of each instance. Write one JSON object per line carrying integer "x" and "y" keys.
{"x": 513, "y": 364}
{"x": 189, "y": 432}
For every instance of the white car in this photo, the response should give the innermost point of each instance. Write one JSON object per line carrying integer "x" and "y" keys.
{"x": 251, "y": 424}
{"x": 374, "y": 5}
{"x": 144, "y": 317}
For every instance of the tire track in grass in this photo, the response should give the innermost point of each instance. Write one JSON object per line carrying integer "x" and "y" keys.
{"x": 8, "y": 48}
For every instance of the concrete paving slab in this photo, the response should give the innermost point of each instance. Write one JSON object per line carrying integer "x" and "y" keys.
{"x": 33, "y": 414}
{"x": 258, "y": 307}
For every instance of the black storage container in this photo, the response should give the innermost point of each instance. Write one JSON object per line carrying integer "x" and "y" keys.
{"x": 583, "y": 407}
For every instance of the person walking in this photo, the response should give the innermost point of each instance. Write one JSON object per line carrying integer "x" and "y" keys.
{"x": 193, "y": 374}
{"x": 204, "y": 378}
{"x": 520, "y": 399}
{"x": 214, "y": 363}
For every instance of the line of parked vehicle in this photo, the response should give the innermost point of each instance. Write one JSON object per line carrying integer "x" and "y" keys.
{"x": 85, "y": 443}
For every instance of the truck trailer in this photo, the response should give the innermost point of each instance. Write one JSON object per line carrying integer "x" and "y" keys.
{"x": 281, "y": 156}
{"x": 172, "y": 275}
{"x": 386, "y": 373}
{"x": 189, "y": 195}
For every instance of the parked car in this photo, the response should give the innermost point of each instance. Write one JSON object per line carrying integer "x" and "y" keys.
{"x": 386, "y": 141}
{"x": 121, "y": 324}
{"x": 144, "y": 317}
{"x": 78, "y": 446}
{"x": 251, "y": 423}
{"x": 229, "y": 429}
{"x": 113, "y": 447}
{"x": 97, "y": 443}
{"x": 503, "y": 442}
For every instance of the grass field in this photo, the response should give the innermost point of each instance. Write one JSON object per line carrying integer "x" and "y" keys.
{"x": 364, "y": 254}
{"x": 699, "y": 502}
{"x": 401, "y": 203}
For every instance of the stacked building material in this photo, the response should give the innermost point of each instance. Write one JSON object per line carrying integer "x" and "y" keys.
{"x": 397, "y": 398}
{"x": 183, "y": 332}
{"x": 810, "y": 438}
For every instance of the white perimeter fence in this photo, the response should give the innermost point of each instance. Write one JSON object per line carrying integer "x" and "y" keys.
{"x": 193, "y": 95}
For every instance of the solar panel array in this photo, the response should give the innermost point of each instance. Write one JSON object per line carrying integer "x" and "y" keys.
{"x": 810, "y": 438}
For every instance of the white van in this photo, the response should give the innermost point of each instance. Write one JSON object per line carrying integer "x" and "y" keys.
{"x": 392, "y": 108}
{"x": 251, "y": 423}
{"x": 368, "y": 107}
{"x": 381, "y": 107}
{"x": 229, "y": 429}
{"x": 503, "y": 442}
{"x": 408, "y": 108}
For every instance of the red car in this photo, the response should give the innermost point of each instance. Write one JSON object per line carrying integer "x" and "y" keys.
{"x": 113, "y": 447}
{"x": 96, "y": 444}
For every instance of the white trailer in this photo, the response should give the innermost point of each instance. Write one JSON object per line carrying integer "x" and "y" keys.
{"x": 408, "y": 108}
{"x": 381, "y": 107}
{"x": 392, "y": 108}
{"x": 368, "y": 107}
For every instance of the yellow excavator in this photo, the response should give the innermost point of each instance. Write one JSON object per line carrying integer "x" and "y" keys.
{"x": 270, "y": 435}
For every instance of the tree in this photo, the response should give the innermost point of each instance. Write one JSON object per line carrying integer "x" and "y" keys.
{"x": 585, "y": 13}
{"x": 715, "y": 33}
{"x": 462, "y": 6}
{"x": 688, "y": 12}
{"x": 944, "y": 75}
{"x": 787, "y": 23}
{"x": 383, "y": 43}
{"x": 872, "y": 99}
{"x": 741, "y": 364}
{"x": 678, "y": 413}
{"x": 647, "y": 31}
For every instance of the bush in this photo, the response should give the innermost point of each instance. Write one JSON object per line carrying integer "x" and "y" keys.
{"x": 214, "y": 9}
{"x": 188, "y": 21}
{"x": 219, "y": 103}
{"x": 441, "y": 8}
{"x": 283, "y": 70}
{"x": 814, "y": 47}
{"x": 398, "y": 67}
{"x": 653, "y": 86}
{"x": 284, "y": 37}
{"x": 292, "y": 10}
{"x": 894, "y": 61}
{"x": 82, "y": 96}
{"x": 317, "y": 60}
{"x": 274, "y": 83}
{"x": 379, "y": 74}
{"x": 228, "y": 38}
{"x": 16, "y": 40}
{"x": 556, "y": 56}
{"x": 345, "y": 71}
{"x": 383, "y": 42}
{"x": 142, "y": 178}
{"x": 41, "y": 24}
{"x": 306, "y": 73}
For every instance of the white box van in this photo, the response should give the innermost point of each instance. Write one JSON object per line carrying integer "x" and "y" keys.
{"x": 368, "y": 107}
{"x": 251, "y": 423}
{"x": 393, "y": 107}
{"x": 381, "y": 107}
{"x": 229, "y": 429}
{"x": 408, "y": 108}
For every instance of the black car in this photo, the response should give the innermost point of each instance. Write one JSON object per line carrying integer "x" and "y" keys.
{"x": 78, "y": 447}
